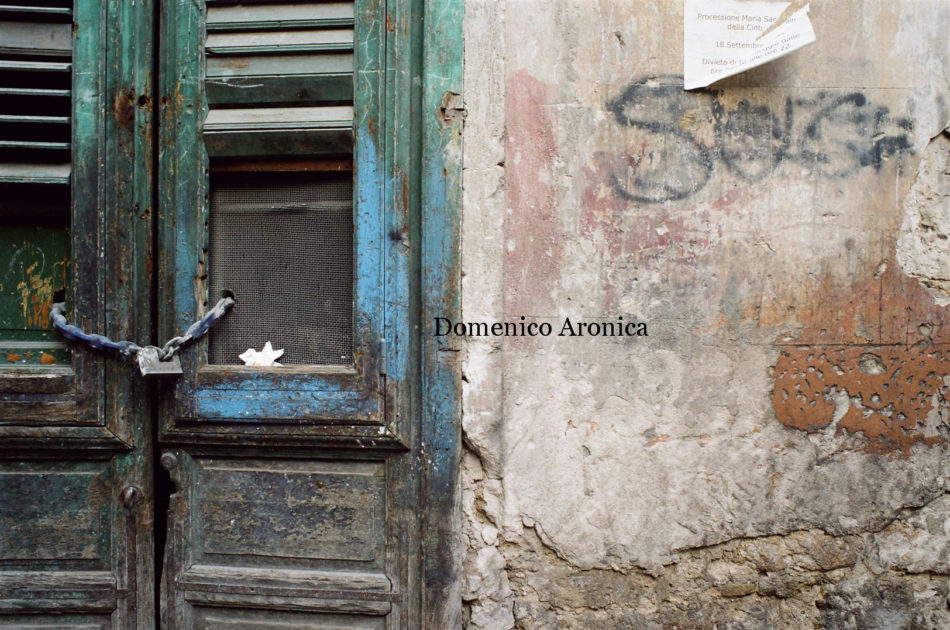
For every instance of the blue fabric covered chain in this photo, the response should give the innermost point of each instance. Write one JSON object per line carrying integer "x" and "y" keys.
{"x": 151, "y": 359}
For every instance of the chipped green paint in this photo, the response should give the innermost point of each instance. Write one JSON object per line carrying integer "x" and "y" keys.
{"x": 75, "y": 435}
{"x": 34, "y": 261}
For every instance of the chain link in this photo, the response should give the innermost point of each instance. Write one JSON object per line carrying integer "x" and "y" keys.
{"x": 129, "y": 348}
{"x": 197, "y": 330}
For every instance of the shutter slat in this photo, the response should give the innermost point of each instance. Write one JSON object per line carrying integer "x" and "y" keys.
{"x": 311, "y": 142}
{"x": 279, "y": 130}
{"x": 34, "y": 66}
{"x": 56, "y": 120}
{"x": 14, "y": 91}
{"x": 22, "y": 11}
{"x": 29, "y": 144}
{"x": 280, "y": 65}
{"x": 279, "y": 25}
{"x": 32, "y": 38}
{"x": 280, "y": 117}
{"x": 278, "y": 17}
{"x": 303, "y": 89}
{"x": 11, "y": 91}
{"x": 339, "y": 40}
{"x": 27, "y": 173}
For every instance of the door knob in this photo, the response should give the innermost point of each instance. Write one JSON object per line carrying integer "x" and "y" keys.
{"x": 131, "y": 495}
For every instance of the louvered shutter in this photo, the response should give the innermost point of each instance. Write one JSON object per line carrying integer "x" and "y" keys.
{"x": 279, "y": 78}
{"x": 35, "y": 88}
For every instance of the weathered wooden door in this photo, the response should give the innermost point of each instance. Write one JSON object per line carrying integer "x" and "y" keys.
{"x": 76, "y": 492}
{"x": 274, "y": 151}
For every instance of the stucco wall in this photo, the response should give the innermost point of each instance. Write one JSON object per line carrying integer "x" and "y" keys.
{"x": 774, "y": 453}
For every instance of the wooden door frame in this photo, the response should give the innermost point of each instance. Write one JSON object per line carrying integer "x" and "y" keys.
{"x": 442, "y": 114}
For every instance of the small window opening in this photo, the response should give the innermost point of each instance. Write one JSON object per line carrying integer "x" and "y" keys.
{"x": 282, "y": 243}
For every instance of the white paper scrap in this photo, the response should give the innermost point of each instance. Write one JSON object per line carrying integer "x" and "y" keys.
{"x": 263, "y": 358}
{"x": 725, "y": 37}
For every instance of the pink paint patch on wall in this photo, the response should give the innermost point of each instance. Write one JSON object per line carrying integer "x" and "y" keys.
{"x": 533, "y": 242}
{"x": 638, "y": 230}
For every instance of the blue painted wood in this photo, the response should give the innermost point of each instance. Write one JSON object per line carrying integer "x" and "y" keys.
{"x": 389, "y": 405}
{"x": 208, "y": 395}
{"x": 442, "y": 118}
{"x": 243, "y": 404}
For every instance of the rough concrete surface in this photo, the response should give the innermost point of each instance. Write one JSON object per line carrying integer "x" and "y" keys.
{"x": 774, "y": 454}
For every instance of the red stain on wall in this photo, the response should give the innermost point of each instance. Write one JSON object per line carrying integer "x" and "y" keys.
{"x": 533, "y": 248}
{"x": 632, "y": 233}
{"x": 639, "y": 231}
{"x": 889, "y": 309}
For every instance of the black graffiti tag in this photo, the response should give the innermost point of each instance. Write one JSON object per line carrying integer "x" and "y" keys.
{"x": 667, "y": 159}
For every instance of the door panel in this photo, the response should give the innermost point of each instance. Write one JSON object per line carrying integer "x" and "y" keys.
{"x": 69, "y": 528}
{"x": 68, "y": 542}
{"x": 55, "y": 622}
{"x": 296, "y": 534}
{"x": 207, "y": 618}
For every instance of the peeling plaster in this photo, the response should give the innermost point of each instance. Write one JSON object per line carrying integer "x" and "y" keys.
{"x": 923, "y": 247}
{"x": 757, "y": 229}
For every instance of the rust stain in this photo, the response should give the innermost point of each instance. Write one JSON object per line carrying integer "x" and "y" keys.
{"x": 876, "y": 342}
{"x": 896, "y": 395}
{"x": 47, "y": 359}
{"x": 123, "y": 109}
{"x": 13, "y": 358}
{"x": 658, "y": 439}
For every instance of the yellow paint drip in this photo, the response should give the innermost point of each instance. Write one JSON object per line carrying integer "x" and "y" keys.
{"x": 36, "y": 297}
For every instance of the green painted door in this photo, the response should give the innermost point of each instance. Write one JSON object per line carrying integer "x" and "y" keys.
{"x": 298, "y": 157}
{"x": 76, "y": 445}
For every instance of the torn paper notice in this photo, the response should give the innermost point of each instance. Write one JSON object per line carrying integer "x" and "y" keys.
{"x": 725, "y": 37}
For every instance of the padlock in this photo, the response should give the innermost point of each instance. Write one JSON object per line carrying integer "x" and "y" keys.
{"x": 151, "y": 365}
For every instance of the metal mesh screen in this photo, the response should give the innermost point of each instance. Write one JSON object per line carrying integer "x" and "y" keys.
{"x": 282, "y": 243}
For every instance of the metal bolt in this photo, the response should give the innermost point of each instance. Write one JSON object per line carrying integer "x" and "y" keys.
{"x": 169, "y": 461}
{"x": 131, "y": 495}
